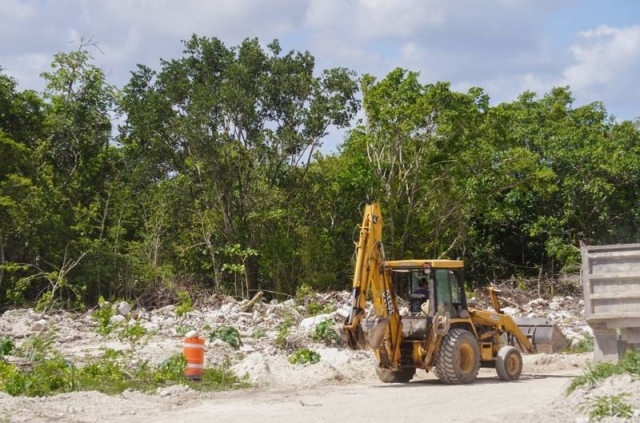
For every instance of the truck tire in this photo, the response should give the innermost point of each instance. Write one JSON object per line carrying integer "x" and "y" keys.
{"x": 395, "y": 376}
{"x": 458, "y": 359}
{"x": 509, "y": 363}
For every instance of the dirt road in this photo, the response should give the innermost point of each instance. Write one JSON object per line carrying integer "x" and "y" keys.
{"x": 488, "y": 400}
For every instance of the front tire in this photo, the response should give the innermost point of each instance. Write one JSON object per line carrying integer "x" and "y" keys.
{"x": 395, "y": 376}
{"x": 458, "y": 359}
{"x": 509, "y": 363}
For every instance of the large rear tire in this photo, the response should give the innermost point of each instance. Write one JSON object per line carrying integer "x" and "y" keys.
{"x": 458, "y": 359}
{"x": 395, "y": 376}
{"x": 509, "y": 363}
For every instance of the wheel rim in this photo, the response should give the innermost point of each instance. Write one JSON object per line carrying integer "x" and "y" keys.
{"x": 466, "y": 358}
{"x": 512, "y": 364}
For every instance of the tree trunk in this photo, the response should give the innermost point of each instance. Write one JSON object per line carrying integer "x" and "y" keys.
{"x": 252, "y": 268}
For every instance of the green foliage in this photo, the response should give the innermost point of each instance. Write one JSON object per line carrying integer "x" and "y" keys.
{"x": 215, "y": 177}
{"x": 185, "y": 305}
{"x": 282, "y": 337}
{"x": 228, "y": 334}
{"x": 258, "y": 333}
{"x": 304, "y": 293}
{"x": 219, "y": 378}
{"x": 182, "y": 330}
{"x": 304, "y": 356}
{"x": 7, "y": 345}
{"x": 133, "y": 333}
{"x": 38, "y": 347}
{"x": 12, "y": 381}
{"x": 630, "y": 364}
{"x": 602, "y": 406}
{"x": 315, "y": 308}
{"x": 103, "y": 314}
{"x": 325, "y": 332}
{"x": 110, "y": 374}
{"x": 172, "y": 369}
{"x": 585, "y": 344}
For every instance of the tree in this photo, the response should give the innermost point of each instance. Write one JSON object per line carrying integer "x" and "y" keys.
{"x": 240, "y": 124}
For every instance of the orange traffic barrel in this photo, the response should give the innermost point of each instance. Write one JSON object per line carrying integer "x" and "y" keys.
{"x": 193, "y": 351}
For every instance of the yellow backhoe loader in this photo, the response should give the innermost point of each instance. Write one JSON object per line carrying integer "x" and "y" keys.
{"x": 441, "y": 332}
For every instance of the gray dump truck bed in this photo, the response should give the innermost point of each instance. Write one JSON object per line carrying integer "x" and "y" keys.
{"x": 611, "y": 283}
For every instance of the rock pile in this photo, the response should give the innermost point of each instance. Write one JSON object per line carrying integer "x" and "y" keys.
{"x": 269, "y": 332}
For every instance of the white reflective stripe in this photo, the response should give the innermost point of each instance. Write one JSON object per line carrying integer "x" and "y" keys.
{"x": 195, "y": 366}
{"x": 189, "y": 345}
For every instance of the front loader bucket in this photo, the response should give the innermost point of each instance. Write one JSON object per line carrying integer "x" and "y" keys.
{"x": 545, "y": 335}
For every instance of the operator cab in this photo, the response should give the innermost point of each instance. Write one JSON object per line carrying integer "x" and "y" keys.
{"x": 422, "y": 281}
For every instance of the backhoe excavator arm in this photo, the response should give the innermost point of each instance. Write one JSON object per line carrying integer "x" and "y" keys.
{"x": 386, "y": 330}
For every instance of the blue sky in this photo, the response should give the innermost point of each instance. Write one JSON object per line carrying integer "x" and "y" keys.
{"x": 503, "y": 46}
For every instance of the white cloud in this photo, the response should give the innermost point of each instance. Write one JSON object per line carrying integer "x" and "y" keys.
{"x": 602, "y": 55}
{"x": 503, "y": 46}
{"x": 238, "y": 18}
{"x": 26, "y": 69}
{"x": 367, "y": 20}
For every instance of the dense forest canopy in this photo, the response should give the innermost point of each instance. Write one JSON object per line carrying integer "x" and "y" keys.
{"x": 207, "y": 175}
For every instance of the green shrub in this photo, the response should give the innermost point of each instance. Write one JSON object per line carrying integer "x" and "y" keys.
{"x": 228, "y": 334}
{"x": 592, "y": 374}
{"x": 304, "y": 293}
{"x": 7, "y": 345}
{"x": 111, "y": 374}
{"x": 103, "y": 314}
{"x": 182, "y": 330}
{"x": 324, "y": 332}
{"x": 38, "y": 347}
{"x": 303, "y": 356}
{"x": 171, "y": 369}
{"x": 51, "y": 377}
{"x": 185, "y": 305}
{"x": 12, "y": 380}
{"x": 284, "y": 328}
{"x": 258, "y": 333}
{"x": 315, "y": 308}
{"x": 600, "y": 407}
{"x": 584, "y": 345}
{"x": 133, "y": 333}
{"x": 630, "y": 364}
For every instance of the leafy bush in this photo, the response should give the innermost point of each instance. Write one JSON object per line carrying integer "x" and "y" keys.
{"x": 185, "y": 305}
{"x": 304, "y": 293}
{"x": 324, "y": 332}
{"x": 282, "y": 338}
{"x": 38, "y": 347}
{"x": 630, "y": 363}
{"x": 220, "y": 378}
{"x": 132, "y": 333}
{"x": 584, "y": 345}
{"x": 182, "y": 330}
{"x": 600, "y": 407}
{"x": 171, "y": 369}
{"x": 103, "y": 314}
{"x": 258, "y": 333}
{"x": 303, "y": 356}
{"x": 7, "y": 345}
{"x": 111, "y": 374}
{"x": 315, "y": 308}
{"x": 228, "y": 334}
{"x": 12, "y": 381}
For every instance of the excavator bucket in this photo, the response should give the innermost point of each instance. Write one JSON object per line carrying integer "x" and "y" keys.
{"x": 369, "y": 335}
{"x": 545, "y": 335}
{"x": 376, "y": 331}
